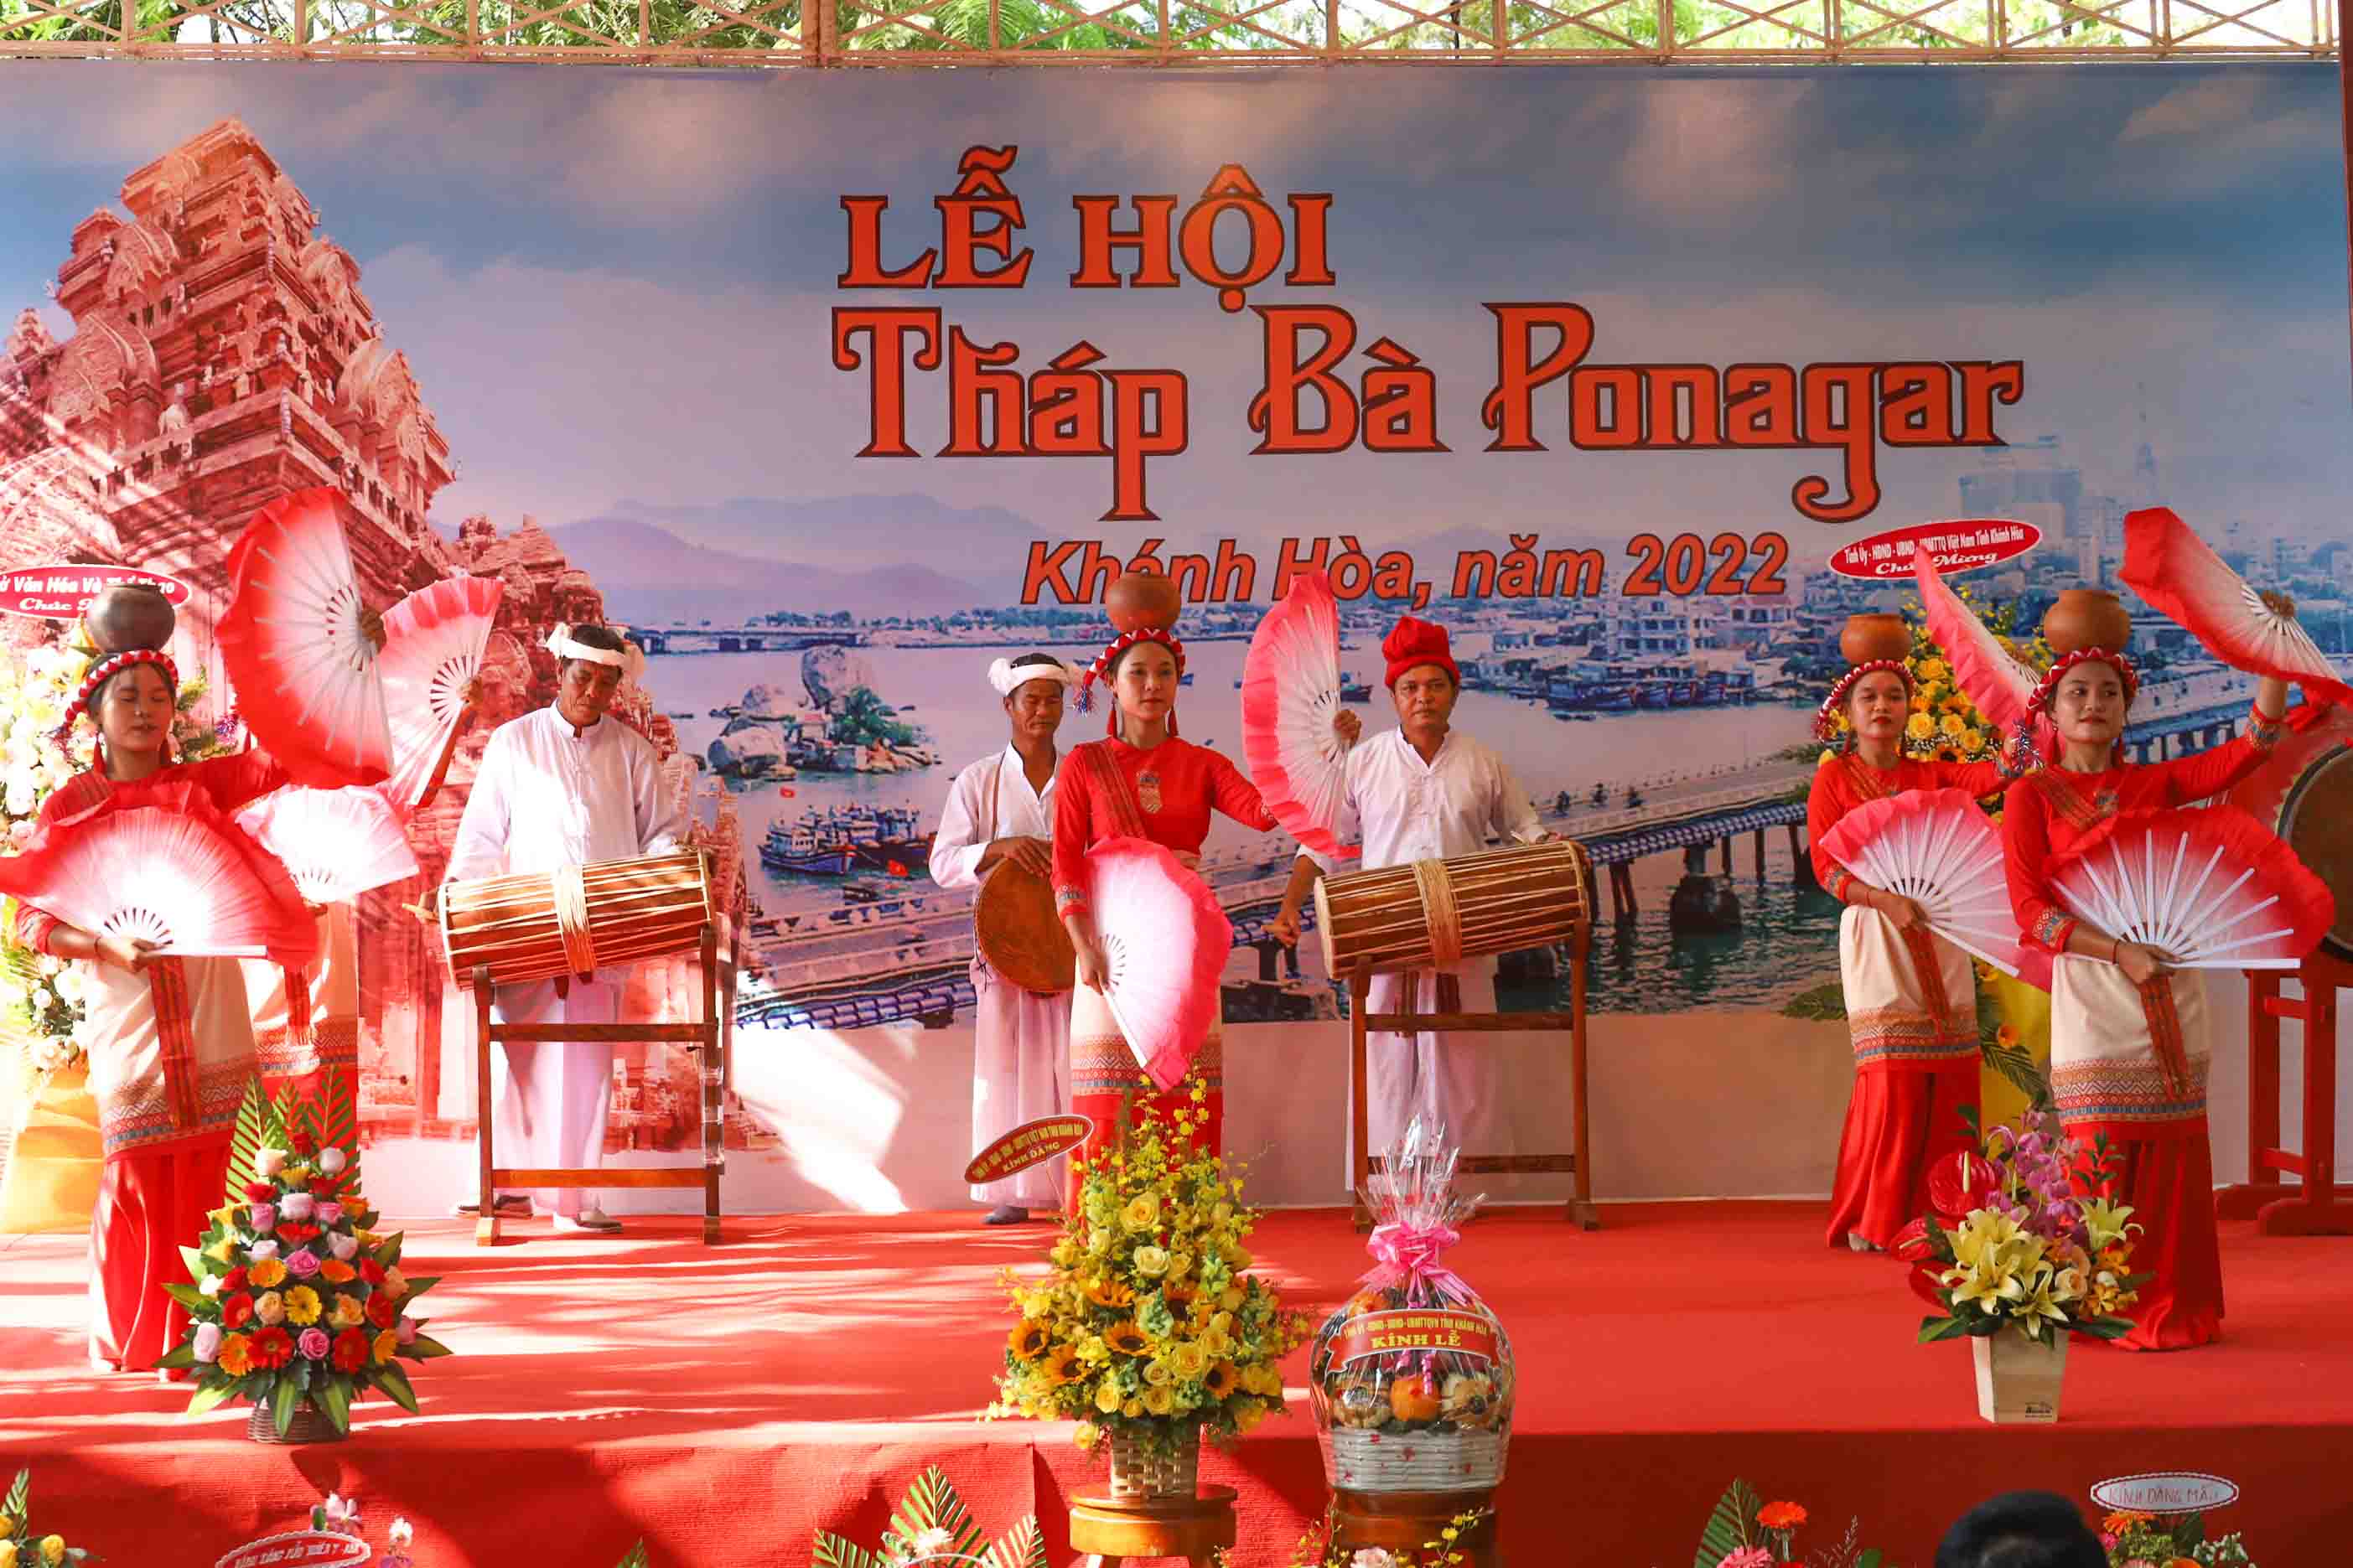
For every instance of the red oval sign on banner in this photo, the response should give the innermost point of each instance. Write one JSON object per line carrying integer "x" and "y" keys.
{"x": 1031, "y": 1143}
{"x": 60, "y": 593}
{"x": 1963, "y": 545}
{"x": 299, "y": 1548}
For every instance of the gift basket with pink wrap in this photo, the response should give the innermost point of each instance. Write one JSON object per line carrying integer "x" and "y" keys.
{"x": 1412, "y": 1378}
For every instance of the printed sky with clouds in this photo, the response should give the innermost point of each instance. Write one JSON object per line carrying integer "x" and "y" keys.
{"x": 615, "y": 287}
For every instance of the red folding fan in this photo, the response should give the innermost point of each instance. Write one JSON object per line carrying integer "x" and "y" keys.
{"x": 1991, "y": 675}
{"x": 305, "y": 674}
{"x": 194, "y": 889}
{"x": 2210, "y": 889}
{"x": 1291, "y": 692}
{"x": 1165, "y": 941}
{"x": 1936, "y": 849}
{"x": 434, "y": 641}
{"x": 335, "y": 843}
{"x": 2173, "y": 569}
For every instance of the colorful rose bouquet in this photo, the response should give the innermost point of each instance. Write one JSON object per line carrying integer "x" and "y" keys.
{"x": 295, "y": 1300}
{"x": 1746, "y": 1533}
{"x": 932, "y": 1524}
{"x": 2012, "y": 1244}
{"x": 19, "y": 1547}
{"x": 1149, "y": 1326}
{"x": 1945, "y": 723}
{"x": 2137, "y": 1540}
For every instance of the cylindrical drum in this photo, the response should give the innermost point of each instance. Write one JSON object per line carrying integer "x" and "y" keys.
{"x": 2305, "y": 794}
{"x": 606, "y": 915}
{"x": 1434, "y": 913}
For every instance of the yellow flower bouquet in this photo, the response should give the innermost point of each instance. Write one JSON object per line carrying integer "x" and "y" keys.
{"x": 1148, "y": 1328}
{"x": 21, "y": 1546}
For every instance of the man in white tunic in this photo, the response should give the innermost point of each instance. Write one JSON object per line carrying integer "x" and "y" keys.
{"x": 564, "y": 786}
{"x": 1001, "y": 808}
{"x": 1423, "y": 792}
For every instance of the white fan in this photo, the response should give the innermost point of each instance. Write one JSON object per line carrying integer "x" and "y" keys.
{"x": 1936, "y": 849}
{"x": 434, "y": 641}
{"x": 335, "y": 843}
{"x": 2209, "y": 889}
{"x": 1166, "y": 940}
{"x": 304, "y": 671}
{"x": 1291, "y": 692}
{"x": 177, "y": 882}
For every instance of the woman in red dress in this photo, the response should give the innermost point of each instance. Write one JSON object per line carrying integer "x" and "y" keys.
{"x": 2129, "y": 1035}
{"x": 170, "y": 1043}
{"x": 1142, "y": 782}
{"x": 1911, "y": 996}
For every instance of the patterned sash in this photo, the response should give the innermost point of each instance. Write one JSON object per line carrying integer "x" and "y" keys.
{"x": 1118, "y": 795}
{"x": 2071, "y": 805}
{"x": 167, "y": 985}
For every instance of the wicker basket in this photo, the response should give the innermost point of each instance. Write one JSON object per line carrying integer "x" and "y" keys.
{"x": 310, "y": 1426}
{"x": 1141, "y": 1469}
{"x": 1362, "y": 1461}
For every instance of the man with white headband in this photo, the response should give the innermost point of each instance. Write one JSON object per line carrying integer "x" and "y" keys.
{"x": 1001, "y": 808}
{"x": 562, "y": 786}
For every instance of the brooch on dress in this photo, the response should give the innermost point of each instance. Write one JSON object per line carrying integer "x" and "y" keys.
{"x": 1147, "y": 791}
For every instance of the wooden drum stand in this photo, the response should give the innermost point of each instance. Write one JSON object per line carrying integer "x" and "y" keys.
{"x": 2320, "y": 1207}
{"x": 1112, "y": 1531}
{"x": 1431, "y": 914}
{"x": 708, "y": 1037}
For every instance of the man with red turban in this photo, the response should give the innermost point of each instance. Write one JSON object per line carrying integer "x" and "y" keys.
{"x": 1423, "y": 790}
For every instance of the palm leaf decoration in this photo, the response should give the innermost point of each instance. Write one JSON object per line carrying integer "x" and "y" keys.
{"x": 1728, "y": 1528}
{"x": 338, "y": 1112}
{"x": 20, "y": 1496}
{"x": 1024, "y": 1546}
{"x": 258, "y": 1126}
{"x": 833, "y": 1551}
{"x": 636, "y": 1557}
{"x": 932, "y": 1504}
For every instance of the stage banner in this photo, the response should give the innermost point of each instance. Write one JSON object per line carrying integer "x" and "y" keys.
{"x": 835, "y": 388}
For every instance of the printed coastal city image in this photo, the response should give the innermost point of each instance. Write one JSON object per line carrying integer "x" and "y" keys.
{"x": 642, "y": 417}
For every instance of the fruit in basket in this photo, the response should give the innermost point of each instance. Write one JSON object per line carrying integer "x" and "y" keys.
{"x": 1417, "y": 1398}
{"x": 1469, "y": 1399}
{"x": 1358, "y": 1404}
{"x": 1365, "y": 1301}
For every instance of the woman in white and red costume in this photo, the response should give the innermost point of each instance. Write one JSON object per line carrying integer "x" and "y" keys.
{"x": 1911, "y": 996}
{"x": 2129, "y": 1036}
{"x": 170, "y": 1043}
{"x": 1141, "y": 783}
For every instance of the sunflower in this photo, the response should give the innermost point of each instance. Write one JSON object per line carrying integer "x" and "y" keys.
{"x": 1063, "y": 1365}
{"x": 1220, "y": 1379}
{"x": 1027, "y": 1340}
{"x": 1108, "y": 1292}
{"x": 1126, "y": 1338}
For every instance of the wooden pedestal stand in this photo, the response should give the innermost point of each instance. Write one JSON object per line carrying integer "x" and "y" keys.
{"x": 1363, "y": 1021}
{"x": 2318, "y": 1207}
{"x": 708, "y": 1037}
{"x": 1406, "y": 1522}
{"x": 1112, "y": 1531}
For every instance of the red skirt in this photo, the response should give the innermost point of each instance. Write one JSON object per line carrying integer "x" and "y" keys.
{"x": 2169, "y": 1181}
{"x": 1901, "y": 1120}
{"x": 150, "y": 1204}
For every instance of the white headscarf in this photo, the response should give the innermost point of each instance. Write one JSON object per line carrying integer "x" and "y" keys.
{"x": 1009, "y": 677}
{"x": 630, "y": 660}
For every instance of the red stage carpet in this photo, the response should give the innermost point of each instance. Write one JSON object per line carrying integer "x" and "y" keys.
{"x": 724, "y": 1403}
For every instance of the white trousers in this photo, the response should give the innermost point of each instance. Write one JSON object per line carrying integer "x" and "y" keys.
{"x": 1453, "y": 1079}
{"x": 1020, "y": 1072}
{"x": 551, "y": 1099}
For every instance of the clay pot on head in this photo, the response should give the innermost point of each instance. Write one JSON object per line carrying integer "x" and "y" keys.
{"x": 130, "y": 615}
{"x": 1139, "y": 599}
{"x": 2087, "y": 617}
{"x": 1868, "y": 638}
